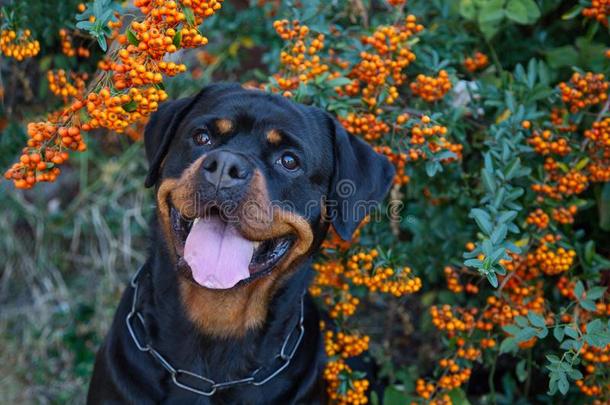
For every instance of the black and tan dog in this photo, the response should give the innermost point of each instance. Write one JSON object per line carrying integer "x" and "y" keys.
{"x": 247, "y": 184}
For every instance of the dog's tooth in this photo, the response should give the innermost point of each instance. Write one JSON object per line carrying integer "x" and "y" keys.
{"x": 256, "y": 244}
{"x": 195, "y": 221}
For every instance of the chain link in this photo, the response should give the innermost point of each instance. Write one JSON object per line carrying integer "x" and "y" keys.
{"x": 135, "y": 320}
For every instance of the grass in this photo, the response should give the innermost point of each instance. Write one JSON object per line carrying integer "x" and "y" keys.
{"x": 67, "y": 250}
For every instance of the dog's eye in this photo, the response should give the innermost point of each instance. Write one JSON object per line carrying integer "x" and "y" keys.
{"x": 202, "y": 137}
{"x": 289, "y": 161}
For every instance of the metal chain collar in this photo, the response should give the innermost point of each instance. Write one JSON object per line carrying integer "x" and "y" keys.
{"x": 208, "y": 386}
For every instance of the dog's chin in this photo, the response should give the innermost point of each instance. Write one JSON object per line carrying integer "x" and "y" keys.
{"x": 264, "y": 255}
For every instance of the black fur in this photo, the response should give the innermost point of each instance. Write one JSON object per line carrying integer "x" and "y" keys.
{"x": 328, "y": 156}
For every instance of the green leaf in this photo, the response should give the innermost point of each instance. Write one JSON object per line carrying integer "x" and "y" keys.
{"x": 492, "y": 278}
{"x": 542, "y": 333}
{"x": 84, "y": 25}
{"x": 571, "y": 332}
{"x": 521, "y": 371}
{"x": 393, "y": 396}
{"x": 189, "y": 16}
{"x": 498, "y": 253}
{"x": 130, "y": 107}
{"x": 507, "y": 216}
{"x": 561, "y": 56}
{"x": 177, "y": 40}
{"x": 488, "y": 181}
{"x": 588, "y": 304}
{"x": 490, "y": 16}
{"x": 483, "y": 219}
{"x": 563, "y": 384}
{"x": 508, "y": 345}
{"x": 573, "y": 12}
{"x": 432, "y": 168}
{"x": 101, "y": 40}
{"x": 339, "y": 81}
{"x": 536, "y": 320}
{"x": 374, "y": 398}
{"x": 575, "y": 374}
{"x": 596, "y": 292}
{"x": 131, "y": 37}
{"x": 498, "y": 236}
{"x": 517, "y": 11}
{"x": 597, "y": 335}
{"x": 552, "y": 358}
{"x": 512, "y": 168}
{"x": 579, "y": 290}
{"x": 594, "y": 326}
{"x": 531, "y": 8}
{"x": 525, "y": 334}
{"x": 558, "y": 333}
{"x": 476, "y": 263}
{"x": 511, "y": 329}
{"x": 491, "y": 11}
{"x": 467, "y": 9}
{"x": 521, "y": 321}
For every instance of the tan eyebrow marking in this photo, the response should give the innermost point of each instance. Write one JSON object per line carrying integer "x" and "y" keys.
{"x": 274, "y": 137}
{"x": 224, "y": 126}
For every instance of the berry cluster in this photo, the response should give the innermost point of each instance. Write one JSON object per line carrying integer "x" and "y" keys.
{"x": 367, "y": 125}
{"x": 598, "y": 10}
{"x": 476, "y": 62}
{"x": 381, "y": 66}
{"x": 18, "y": 45}
{"x": 300, "y": 61}
{"x": 454, "y": 376}
{"x": 428, "y": 138}
{"x": 584, "y": 90}
{"x": 344, "y": 345}
{"x": 538, "y": 218}
{"x": 452, "y": 320}
{"x": 67, "y": 87}
{"x": 545, "y": 143}
{"x": 128, "y": 91}
{"x": 564, "y": 215}
{"x": 453, "y": 280}
{"x": 550, "y": 261}
{"x": 361, "y": 270}
{"x": 561, "y": 121}
{"x": 431, "y": 88}
{"x": 335, "y": 373}
{"x": 67, "y": 48}
{"x": 599, "y": 151}
{"x": 562, "y": 185}
{"x": 399, "y": 161}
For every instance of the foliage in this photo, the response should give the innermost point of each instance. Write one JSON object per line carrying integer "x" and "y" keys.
{"x": 485, "y": 276}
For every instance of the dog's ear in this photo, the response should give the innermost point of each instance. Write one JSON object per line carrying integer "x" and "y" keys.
{"x": 163, "y": 124}
{"x": 361, "y": 179}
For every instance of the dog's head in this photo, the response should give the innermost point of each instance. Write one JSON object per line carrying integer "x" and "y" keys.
{"x": 246, "y": 185}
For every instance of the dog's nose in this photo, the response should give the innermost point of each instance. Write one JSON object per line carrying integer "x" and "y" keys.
{"x": 225, "y": 169}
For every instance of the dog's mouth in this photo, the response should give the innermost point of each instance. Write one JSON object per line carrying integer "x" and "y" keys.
{"x": 215, "y": 255}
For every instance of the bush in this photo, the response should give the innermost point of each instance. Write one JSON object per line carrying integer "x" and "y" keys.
{"x": 485, "y": 276}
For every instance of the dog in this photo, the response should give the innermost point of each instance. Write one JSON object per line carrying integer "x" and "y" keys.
{"x": 247, "y": 185}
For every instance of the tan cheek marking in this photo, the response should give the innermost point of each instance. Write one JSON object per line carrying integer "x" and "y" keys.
{"x": 274, "y": 137}
{"x": 224, "y": 126}
{"x": 180, "y": 193}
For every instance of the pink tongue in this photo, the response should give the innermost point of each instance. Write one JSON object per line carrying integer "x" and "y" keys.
{"x": 217, "y": 254}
